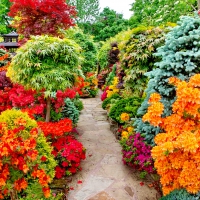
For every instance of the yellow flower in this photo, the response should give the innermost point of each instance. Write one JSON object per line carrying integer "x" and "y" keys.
{"x": 125, "y": 117}
{"x": 111, "y": 87}
{"x": 130, "y": 129}
{"x": 124, "y": 134}
{"x": 109, "y": 93}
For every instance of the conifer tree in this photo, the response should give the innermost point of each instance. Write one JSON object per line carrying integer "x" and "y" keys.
{"x": 180, "y": 57}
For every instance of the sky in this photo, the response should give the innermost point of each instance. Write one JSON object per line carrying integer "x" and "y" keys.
{"x": 120, "y": 6}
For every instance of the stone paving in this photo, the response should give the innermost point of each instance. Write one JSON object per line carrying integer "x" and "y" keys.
{"x": 103, "y": 175}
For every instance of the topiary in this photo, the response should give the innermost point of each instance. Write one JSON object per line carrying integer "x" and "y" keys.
{"x": 128, "y": 105}
{"x": 70, "y": 111}
{"x": 108, "y": 100}
{"x": 180, "y": 58}
{"x": 181, "y": 194}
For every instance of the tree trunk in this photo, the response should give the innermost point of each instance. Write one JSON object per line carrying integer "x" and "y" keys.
{"x": 198, "y": 3}
{"x": 48, "y": 109}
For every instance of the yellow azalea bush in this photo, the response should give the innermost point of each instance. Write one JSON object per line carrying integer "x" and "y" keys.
{"x": 177, "y": 150}
{"x": 26, "y": 162}
{"x": 112, "y": 89}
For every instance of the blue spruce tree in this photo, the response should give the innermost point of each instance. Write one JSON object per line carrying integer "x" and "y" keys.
{"x": 180, "y": 57}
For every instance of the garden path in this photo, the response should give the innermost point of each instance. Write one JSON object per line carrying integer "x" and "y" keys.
{"x": 103, "y": 175}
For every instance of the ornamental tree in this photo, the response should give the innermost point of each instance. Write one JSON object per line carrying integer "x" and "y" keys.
{"x": 36, "y": 17}
{"x": 156, "y": 12}
{"x": 179, "y": 57}
{"x": 177, "y": 150}
{"x": 46, "y": 63}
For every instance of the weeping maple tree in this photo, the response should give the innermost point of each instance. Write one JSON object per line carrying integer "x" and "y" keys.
{"x": 46, "y": 64}
{"x": 37, "y": 17}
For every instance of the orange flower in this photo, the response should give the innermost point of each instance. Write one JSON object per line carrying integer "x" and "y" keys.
{"x": 155, "y": 97}
{"x": 124, "y": 117}
{"x": 46, "y": 192}
{"x": 20, "y": 184}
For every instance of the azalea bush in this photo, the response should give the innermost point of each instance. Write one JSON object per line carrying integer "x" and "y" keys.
{"x": 5, "y": 59}
{"x": 136, "y": 153}
{"x": 68, "y": 152}
{"x": 177, "y": 148}
{"x": 55, "y": 129}
{"x": 25, "y": 157}
{"x": 90, "y": 85}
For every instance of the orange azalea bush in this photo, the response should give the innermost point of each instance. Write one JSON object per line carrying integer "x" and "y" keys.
{"x": 177, "y": 150}
{"x": 26, "y": 162}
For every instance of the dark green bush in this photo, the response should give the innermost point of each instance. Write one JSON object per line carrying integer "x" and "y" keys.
{"x": 108, "y": 100}
{"x": 181, "y": 195}
{"x": 128, "y": 105}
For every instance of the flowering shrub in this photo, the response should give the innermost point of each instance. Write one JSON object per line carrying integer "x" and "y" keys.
{"x": 55, "y": 129}
{"x": 25, "y": 157}
{"x": 90, "y": 85}
{"x": 69, "y": 153}
{"x": 112, "y": 89}
{"x": 177, "y": 152}
{"x": 136, "y": 153}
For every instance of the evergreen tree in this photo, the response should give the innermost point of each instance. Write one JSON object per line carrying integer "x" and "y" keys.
{"x": 180, "y": 57}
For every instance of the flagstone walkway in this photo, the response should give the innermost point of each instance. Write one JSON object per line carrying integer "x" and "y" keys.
{"x": 103, "y": 175}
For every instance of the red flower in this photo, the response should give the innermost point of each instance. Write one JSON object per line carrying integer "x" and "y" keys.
{"x": 43, "y": 159}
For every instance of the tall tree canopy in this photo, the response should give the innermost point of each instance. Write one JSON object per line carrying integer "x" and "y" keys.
{"x": 36, "y": 17}
{"x": 87, "y": 10}
{"x": 155, "y": 12}
{"x": 107, "y": 25}
{"x": 4, "y": 19}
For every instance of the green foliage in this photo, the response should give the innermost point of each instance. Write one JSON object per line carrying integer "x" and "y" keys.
{"x": 108, "y": 100}
{"x": 111, "y": 75}
{"x": 156, "y": 12}
{"x": 89, "y": 50}
{"x": 128, "y": 105}
{"x": 78, "y": 103}
{"x": 137, "y": 56}
{"x": 87, "y": 10}
{"x": 103, "y": 53}
{"x": 55, "y": 116}
{"x": 9, "y": 117}
{"x": 46, "y": 63}
{"x": 107, "y": 25}
{"x": 4, "y": 19}
{"x": 181, "y": 195}
{"x": 180, "y": 58}
{"x": 70, "y": 111}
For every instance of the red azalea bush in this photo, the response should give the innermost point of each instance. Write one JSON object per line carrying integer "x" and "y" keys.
{"x": 68, "y": 152}
{"x": 55, "y": 129}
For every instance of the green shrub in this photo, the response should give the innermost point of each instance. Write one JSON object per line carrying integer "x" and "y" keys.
{"x": 128, "y": 105}
{"x": 78, "y": 103}
{"x": 181, "y": 195}
{"x": 108, "y": 100}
